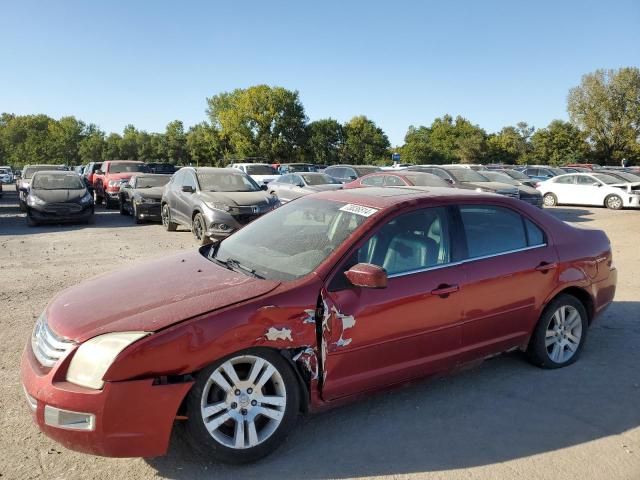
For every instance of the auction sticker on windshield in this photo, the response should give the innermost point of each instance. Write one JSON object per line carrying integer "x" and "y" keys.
{"x": 359, "y": 209}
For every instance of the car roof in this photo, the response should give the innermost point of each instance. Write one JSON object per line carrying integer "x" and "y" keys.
{"x": 385, "y": 197}
{"x": 56, "y": 172}
{"x": 214, "y": 169}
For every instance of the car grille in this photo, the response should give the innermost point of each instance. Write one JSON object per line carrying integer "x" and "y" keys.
{"x": 62, "y": 208}
{"x": 46, "y": 345}
{"x": 243, "y": 219}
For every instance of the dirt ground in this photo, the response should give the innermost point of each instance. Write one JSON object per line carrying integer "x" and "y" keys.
{"x": 502, "y": 420}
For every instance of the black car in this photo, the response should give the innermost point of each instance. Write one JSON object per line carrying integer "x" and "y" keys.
{"x": 57, "y": 196}
{"x": 141, "y": 196}
{"x": 348, "y": 173}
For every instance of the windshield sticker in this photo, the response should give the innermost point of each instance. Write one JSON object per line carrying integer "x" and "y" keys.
{"x": 359, "y": 210}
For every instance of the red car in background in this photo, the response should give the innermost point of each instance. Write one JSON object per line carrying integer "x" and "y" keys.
{"x": 398, "y": 179}
{"x": 324, "y": 299}
{"x": 111, "y": 176}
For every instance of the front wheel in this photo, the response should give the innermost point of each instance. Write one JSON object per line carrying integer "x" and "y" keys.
{"x": 242, "y": 407}
{"x": 136, "y": 216}
{"x": 123, "y": 209}
{"x": 165, "y": 214}
{"x": 560, "y": 334}
{"x": 614, "y": 202}
{"x": 550, "y": 200}
{"x": 199, "y": 229}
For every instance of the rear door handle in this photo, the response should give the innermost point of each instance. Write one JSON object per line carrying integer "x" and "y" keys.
{"x": 444, "y": 290}
{"x": 546, "y": 266}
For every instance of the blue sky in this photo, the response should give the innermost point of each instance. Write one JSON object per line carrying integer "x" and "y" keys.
{"x": 398, "y": 62}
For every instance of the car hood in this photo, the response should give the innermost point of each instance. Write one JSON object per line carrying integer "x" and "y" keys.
{"x": 150, "y": 296}
{"x": 237, "y": 198}
{"x": 59, "y": 196}
{"x": 323, "y": 188}
{"x": 153, "y": 192}
{"x": 495, "y": 186}
{"x": 528, "y": 191}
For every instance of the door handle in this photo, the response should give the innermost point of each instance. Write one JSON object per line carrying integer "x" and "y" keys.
{"x": 544, "y": 267}
{"x": 445, "y": 290}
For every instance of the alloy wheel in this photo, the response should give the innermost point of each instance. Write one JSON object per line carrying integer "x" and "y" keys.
{"x": 549, "y": 200}
{"x": 243, "y": 402}
{"x": 165, "y": 216}
{"x": 563, "y": 334}
{"x": 614, "y": 202}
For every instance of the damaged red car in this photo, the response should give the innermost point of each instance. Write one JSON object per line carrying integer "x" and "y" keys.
{"x": 332, "y": 296}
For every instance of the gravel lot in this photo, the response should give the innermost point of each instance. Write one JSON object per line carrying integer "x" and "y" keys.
{"x": 502, "y": 419}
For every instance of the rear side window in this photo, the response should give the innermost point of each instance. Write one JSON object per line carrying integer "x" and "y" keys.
{"x": 392, "y": 181}
{"x": 491, "y": 230}
{"x": 374, "y": 181}
{"x": 535, "y": 236}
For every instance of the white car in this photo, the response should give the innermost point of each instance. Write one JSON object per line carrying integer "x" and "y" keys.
{"x": 6, "y": 174}
{"x": 597, "y": 189}
{"x": 262, "y": 173}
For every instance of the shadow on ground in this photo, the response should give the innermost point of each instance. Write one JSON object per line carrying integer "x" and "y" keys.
{"x": 571, "y": 214}
{"x": 504, "y": 409}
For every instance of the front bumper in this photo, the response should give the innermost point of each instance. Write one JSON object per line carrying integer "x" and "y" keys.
{"x": 631, "y": 201}
{"x": 222, "y": 224}
{"x": 60, "y": 215}
{"x": 127, "y": 419}
{"x": 149, "y": 211}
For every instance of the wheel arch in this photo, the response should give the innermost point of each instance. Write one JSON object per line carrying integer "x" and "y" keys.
{"x": 582, "y": 295}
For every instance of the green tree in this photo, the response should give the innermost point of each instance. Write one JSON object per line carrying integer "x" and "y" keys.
{"x": 176, "y": 142}
{"x": 129, "y": 143}
{"x": 558, "y": 144}
{"x": 64, "y": 140}
{"x": 112, "y": 147}
{"x": 365, "y": 142}
{"x": 260, "y": 121}
{"x": 606, "y": 106}
{"x": 27, "y": 139}
{"x": 203, "y": 145}
{"x": 458, "y": 141}
{"x": 417, "y": 146}
{"x": 92, "y": 145}
{"x": 510, "y": 145}
{"x": 325, "y": 141}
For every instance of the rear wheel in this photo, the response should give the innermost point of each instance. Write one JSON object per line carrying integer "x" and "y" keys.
{"x": 123, "y": 210}
{"x": 242, "y": 407}
{"x": 136, "y": 216}
{"x": 97, "y": 197}
{"x": 550, "y": 200}
{"x": 560, "y": 334}
{"x": 165, "y": 214}
{"x": 614, "y": 202}
{"x": 199, "y": 229}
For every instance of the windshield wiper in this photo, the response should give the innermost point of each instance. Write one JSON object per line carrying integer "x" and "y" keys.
{"x": 232, "y": 263}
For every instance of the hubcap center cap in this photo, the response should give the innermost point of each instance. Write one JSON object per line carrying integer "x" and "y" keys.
{"x": 243, "y": 400}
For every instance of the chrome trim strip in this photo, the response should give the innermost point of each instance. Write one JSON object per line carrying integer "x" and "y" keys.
{"x": 468, "y": 260}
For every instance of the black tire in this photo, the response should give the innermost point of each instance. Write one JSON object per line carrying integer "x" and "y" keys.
{"x": 168, "y": 225}
{"x": 203, "y": 442}
{"x": 97, "y": 197}
{"x": 137, "y": 219}
{"x": 109, "y": 204}
{"x": 537, "y": 350}
{"x": 23, "y": 206}
{"x": 30, "y": 221}
{"x": 123, "y": 209}
{"x": 550, "y": 200}
{"x": 199, "y": 228}
{"x": 613, "y": 202}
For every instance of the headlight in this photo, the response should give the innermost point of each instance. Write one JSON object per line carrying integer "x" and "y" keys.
{"x": 218, "y": 206}
{"x": 33, "y": 200}
{"x": 94, "y": 357}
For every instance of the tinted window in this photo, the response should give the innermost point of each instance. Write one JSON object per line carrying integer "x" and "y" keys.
{"x": 566, "y": 179}
{"x": 176, "y": 180}
{"x": 586, "y": 180}
{"x": 297, "y": 180}
{"x": 374, "y": 181}
{"x": 535, "y": 236}
{"x": 127, "y": 167}
{"x": 412, "y": 241}
{"x": 260, "y": 170}
{"x": 189, "y": 180}
{"x": 335, "y": 172}
{"x": 490, "y": 230}
{"x": 226, "y": 181}
{"x": 393, "y": 181}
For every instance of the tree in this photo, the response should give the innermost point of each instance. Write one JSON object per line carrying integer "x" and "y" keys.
{"x": 558, "y": 144}
{"x": 64, "y": 140}
{"x": 203, "y": 144}
{"x": 510, "y": 145}
{"x": 260, "y": 121}
{"x": 129, "y": 143}
{"x": 417, "y": 146}
{"x": 92, "y": 145}
{"x": 176, "y": 142}
{"x": 27, "y": 139}
{"x": 606, "y": 106}
{"x": 112, "y": 147}
{"x": 325, "y": 141}
{"x": 365, "y": 142}
{"x": 456, "y": 141}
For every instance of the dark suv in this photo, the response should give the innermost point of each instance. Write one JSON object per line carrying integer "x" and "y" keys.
{"x": 213, "y": 202}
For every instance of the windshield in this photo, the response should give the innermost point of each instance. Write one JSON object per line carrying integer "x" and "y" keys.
{"x": 516, "y": 174}
{"x": 500, "y": 177}
{"x": 163, "y": 168}
{"x": 319, "y": 179}
{"x": 149, "y": 182}
{"x": 29, "y": 171}
{"x": 608, "y": 179}
{"x": 627, "y": 177}
{"x": 300, "y": 167}
{"x": 293, "y": 240}
{"x": 466, "y": 175}
{"x": 56, "y": 181}
{"x": 261, "y": 170}
{"x": 362, "y": 171}
{"x": 426, "y": 180}
{"x": 556, "y": 171}
{"x": 226, "y": 182}
{"x": 127, "y": 167}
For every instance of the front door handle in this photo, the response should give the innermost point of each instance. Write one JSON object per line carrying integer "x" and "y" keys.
{"x": 544, "y": 267}
{"x": 445, "y": 290}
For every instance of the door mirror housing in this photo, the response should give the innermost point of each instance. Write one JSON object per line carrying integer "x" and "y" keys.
{"x": 187, "y": 189}
{"x": 366, "y": 275}
{"x": 264, "y": 187}
{"x": 596, "y": 184}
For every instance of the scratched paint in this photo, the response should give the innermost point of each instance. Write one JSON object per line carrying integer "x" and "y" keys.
{"x": 309, "y": 360}
{"x": 274, "y": 334}
{"x": 309, "y": 316}
{"x": 348, "y": 321}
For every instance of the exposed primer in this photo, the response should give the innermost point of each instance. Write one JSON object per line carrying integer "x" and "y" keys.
{"x": 348, "y": 321}
{"x": 274, "y": 334}
{"x": 326, "y": 314}
{"x": 309, "y": 316}
{"x": 309, "y": 360}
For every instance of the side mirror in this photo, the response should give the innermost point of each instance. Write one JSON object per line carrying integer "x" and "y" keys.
{"x": 187, "y": 189}
{"x": 300, "y": 185}
{"x": 264, "y": 187}
{"x": 24, "y": 189}
{"x": 596, "y": 184}
{"x": 449, "y": 181}
{"x": 352, "y": 177}
{"x": 367, "y": 275}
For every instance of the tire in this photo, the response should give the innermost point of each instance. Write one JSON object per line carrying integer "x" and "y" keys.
{"x": 30, "y": 221}
{"x": 550, "y": 200}
{"x": 553, "y": 344}
{"x": 241, "y": 400}
{"x": 23, "y": 206}
{"x": 108, "y": 203}
{"x": 123, "y": 209}
{"x": 613, "y": 202}
{"x": 97, "y": 197}
{"x": 199, "y": 228}
{"x": 168, "y": 225}
{"x": 137, "y": 219}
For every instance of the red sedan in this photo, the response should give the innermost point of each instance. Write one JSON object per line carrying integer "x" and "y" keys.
{"x": 329, "y": 297}
{"x": 398, "y": 179}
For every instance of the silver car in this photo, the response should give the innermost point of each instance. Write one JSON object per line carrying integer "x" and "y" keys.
{"x": 295, "y": 185}
{"x": 213, "y": 202}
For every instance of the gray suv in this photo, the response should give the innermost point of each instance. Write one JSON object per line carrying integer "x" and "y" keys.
{"x": 213, "y": 202}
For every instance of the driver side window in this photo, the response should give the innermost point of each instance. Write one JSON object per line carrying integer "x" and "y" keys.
{"x": 189, "y": 180}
